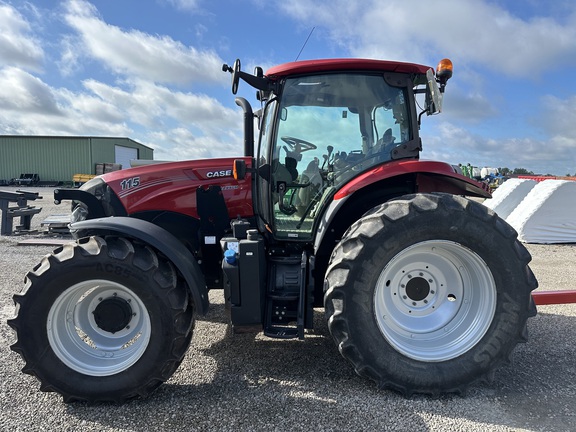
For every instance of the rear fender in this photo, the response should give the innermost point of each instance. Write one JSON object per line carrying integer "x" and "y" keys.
{"x": 159, "y": 239}
{"x": 431, "y": 176}
{"x": 367, "y": 191}
{"x": 452, "y": 184}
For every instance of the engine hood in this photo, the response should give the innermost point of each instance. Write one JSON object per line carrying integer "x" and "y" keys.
{"x": 172, "y": 186}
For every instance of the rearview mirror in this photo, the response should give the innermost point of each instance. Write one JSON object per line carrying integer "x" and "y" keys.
{"x": 433, "y": 94}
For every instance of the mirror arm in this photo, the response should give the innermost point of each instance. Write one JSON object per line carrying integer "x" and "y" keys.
{"x": 259, "y": 83}
{"x": 420, "y": 117}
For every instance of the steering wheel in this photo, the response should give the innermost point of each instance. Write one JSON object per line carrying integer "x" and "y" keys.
{"x": 297, "y": 144}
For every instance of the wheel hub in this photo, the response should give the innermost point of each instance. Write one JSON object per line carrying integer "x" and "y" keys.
{"x": 417, "y": 288}
{"x": 113, "y": 314}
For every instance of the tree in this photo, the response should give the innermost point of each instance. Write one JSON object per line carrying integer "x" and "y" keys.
{"x": 522, "y": 171}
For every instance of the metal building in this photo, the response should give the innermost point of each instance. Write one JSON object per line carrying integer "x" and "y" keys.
{"x": 59, "y": 158}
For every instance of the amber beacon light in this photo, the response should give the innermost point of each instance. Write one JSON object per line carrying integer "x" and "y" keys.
{"x": 444, "y": 72}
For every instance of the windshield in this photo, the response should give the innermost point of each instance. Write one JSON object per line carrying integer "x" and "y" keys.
{"x": 329, "y": 129}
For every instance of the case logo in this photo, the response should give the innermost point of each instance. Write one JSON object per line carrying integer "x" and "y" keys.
{"x": 222, "y": 173}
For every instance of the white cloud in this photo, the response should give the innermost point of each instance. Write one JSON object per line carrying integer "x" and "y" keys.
{"x": 23, "y": 93}
{"x": 17, "y": 45}
{"x": 455, "y": 145}
{"x": 69, "y": 62}
{"x": 186, "y": 124}
{"x": 468, "y": 31}
{"x": 185, "y": 5}
{"x": 30, "y": 106}
{"x": 558, "y": 117}
{"x": 184, "y": 144}
{"x": 191, "y": 125}
{"x": 467, "y": 105}
{"x": 135, "y": 53}
{"x": 151, "y": 106}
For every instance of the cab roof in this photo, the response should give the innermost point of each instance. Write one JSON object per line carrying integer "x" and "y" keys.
{"x": 346, "y": 64}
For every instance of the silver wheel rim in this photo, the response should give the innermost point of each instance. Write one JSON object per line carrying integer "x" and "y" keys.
{"x": 82, "y": 336}
{"x": 435, "y": 300}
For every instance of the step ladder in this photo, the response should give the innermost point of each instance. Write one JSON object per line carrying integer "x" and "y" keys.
{"x": 284, "y": 315}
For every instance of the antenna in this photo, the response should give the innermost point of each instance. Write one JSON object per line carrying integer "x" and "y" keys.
{"x": 305, "y": 42}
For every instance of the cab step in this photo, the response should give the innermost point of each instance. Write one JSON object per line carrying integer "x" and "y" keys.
{"x": 284, "y": 315}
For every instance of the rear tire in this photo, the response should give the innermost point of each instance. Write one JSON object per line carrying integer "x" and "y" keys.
{"x": 103, "y": 320}
{"x": 428, "y": 294}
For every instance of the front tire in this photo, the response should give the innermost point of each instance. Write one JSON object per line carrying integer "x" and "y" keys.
{"x": 428, "y": 294}
{"x": 103, "y": 320}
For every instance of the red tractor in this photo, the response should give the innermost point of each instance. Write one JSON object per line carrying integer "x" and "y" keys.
{"x": 424, "y": 290}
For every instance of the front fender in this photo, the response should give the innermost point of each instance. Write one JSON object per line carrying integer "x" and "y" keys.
{"x": 158, "y": 238}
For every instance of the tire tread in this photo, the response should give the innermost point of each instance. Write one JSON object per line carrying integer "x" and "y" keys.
{"x": 119, "y": 249}
{"x": 340, "y": 278}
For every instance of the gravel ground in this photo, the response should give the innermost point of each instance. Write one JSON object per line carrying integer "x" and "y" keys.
{"x": 248, "y": 382}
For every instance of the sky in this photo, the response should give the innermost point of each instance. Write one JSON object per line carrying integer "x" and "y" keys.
{"x": 150, "y": 70}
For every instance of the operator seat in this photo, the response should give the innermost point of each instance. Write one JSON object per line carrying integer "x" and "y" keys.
{"x": 381, "y": 150}
{"x": 386, "y": 141}
{"x": 313, "y": 178}
{"x": 290, "y": 164}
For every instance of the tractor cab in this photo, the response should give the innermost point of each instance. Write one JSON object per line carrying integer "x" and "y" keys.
{"x": 324, "y": 123}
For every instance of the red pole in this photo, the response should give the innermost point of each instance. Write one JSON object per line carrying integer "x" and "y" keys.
{"x": 554, "y": 297}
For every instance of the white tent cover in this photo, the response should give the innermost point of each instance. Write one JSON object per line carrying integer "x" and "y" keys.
{"x": 508, "y": 195}
{"x": 547, "y": 214}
